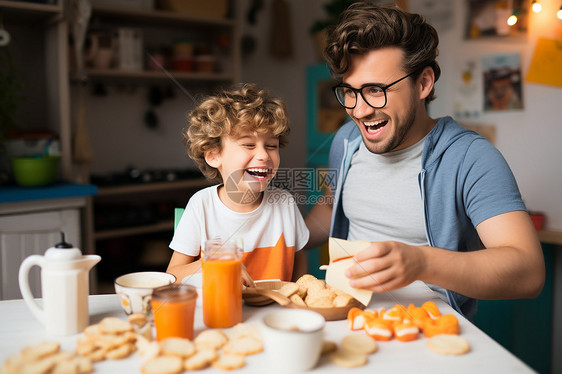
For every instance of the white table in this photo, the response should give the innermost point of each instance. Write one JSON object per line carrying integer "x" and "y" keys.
{"x": 19, "y": 328}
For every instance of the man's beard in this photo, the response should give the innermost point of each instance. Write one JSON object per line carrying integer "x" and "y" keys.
{"x": 397, "y": 138}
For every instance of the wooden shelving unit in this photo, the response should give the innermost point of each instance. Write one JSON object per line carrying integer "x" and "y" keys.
{"x": 161, "y": 27}
{"x": 134, "y": 189}
{"x": 29, "y": 12}
{"x": 151, "y": 187}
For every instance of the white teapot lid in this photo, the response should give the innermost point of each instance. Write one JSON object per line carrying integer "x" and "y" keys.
{"x": 63, "y": 251}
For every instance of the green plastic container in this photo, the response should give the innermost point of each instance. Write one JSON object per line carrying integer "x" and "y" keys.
{"x": 35, "y": 171}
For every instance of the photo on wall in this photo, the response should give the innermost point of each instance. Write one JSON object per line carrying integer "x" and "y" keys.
{"x": 488, "y": 18}
{"x": 502, "y": 82}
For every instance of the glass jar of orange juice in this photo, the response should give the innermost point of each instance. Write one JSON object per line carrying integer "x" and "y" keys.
{"x": 222, "y": 283}
{"x": 173, "y": 309}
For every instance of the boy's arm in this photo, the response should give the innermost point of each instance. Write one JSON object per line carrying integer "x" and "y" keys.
{"x": 183, "y": 265}
{"x": 300, "y": 266}
{"x": 318, "y": 221}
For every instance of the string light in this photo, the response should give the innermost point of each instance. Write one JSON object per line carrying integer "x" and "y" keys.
{"x": 512, "y": 20}
{"x": 559, "y": 13}
{"x": 536, "y": 6}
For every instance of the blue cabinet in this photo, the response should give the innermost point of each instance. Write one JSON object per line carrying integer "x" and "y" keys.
{"x": 524, "y": 327}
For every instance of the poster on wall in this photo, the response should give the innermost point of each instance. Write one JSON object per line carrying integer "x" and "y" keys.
{"x": 546, "y": 63}
{"x": 468, "y": 89}
{"x": 502, "y": 82}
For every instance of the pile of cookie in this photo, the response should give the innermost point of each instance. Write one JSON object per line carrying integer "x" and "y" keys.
{"x": 111, "y": 338}
{"x": 406, "y": 323}
{"x": 212, "y": 347}
{"x": 46, "y": 357}
{"x": 309, "y": 291}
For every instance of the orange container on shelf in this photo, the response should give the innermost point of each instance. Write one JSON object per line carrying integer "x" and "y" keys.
{"x": 222, "y": 284}
{"x": 173, "y": 308}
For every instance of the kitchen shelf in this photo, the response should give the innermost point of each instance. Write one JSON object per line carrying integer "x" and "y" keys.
{"x": 116, "y": 75}
{"x": 152, "y": 187}
{"x": 136, "y": 230}
{"x": 159, "y": 17}
{"x": 131, "y": 189}
{"x": 27, "y": 12}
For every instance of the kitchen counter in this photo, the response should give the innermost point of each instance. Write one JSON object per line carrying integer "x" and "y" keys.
{"x": 19, "y": 328}
{"x": 15, "y": 193}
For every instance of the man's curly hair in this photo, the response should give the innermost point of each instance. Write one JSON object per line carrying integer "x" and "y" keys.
{"x": 364, "y": 27}
{"x": 228, "y": 114}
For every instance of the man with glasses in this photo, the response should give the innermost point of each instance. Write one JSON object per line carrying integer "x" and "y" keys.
{"x": 437, "y": 202}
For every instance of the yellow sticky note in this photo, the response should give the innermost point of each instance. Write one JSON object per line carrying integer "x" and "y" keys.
{"x": 546, "y": 62}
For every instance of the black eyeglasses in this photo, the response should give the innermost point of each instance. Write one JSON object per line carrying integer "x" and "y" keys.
{"x": 373, "y": 94}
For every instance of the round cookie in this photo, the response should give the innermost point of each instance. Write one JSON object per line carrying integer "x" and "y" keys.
{"x": 201, "y": 359}
{"x": 244, "y": 346}
{"x": 445, "y": 344}
{"x": 359, "y": 344}
{"x": 229, "y": 362}
{"x": 348, "y": 359}
{"x": 163, "y": 365}
{"x": 211, "y": 339}
{"x": 179, "y": 347}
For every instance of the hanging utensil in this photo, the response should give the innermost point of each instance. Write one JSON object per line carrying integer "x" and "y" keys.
{"x": 4, "y": 34}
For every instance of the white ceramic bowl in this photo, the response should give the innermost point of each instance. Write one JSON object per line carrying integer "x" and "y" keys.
{"x": 135, "y": 289}
{"x": 292, "y": 339}
{"x": 196, "y": 280}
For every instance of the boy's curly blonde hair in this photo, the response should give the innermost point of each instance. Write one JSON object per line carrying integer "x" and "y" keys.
{"x": 227, "y": 114}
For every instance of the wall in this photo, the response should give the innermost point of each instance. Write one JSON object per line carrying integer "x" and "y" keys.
{"x": 285, "y": 77}
{"x": 529, "y": 139}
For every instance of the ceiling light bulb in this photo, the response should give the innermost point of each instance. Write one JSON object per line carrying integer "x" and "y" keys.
{"x": 512, "y": 20}
{"x": 536, "y": 6}
{"x": 559, "y": 13}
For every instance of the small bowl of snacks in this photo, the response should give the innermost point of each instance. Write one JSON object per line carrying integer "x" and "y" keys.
{"x": 135, "y": 289}
{"x": 307, "y": 292}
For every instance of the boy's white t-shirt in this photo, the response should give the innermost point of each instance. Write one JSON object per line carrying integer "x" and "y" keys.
{"x": 271, "y": 234}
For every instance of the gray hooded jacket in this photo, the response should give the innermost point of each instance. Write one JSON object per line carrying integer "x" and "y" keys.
{"x": 463, "y": 181}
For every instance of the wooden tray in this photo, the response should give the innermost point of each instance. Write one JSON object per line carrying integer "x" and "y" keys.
{"x": 254, "y": 297}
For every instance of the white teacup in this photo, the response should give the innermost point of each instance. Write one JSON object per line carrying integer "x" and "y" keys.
{"x": 135, "y": 289}
{"x": 292, "y": 339}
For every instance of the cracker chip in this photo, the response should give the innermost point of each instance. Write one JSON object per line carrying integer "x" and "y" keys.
{"x": 296, "y": 299}
{"x": 342, "y": 301}
{"x": 289, "y": 289}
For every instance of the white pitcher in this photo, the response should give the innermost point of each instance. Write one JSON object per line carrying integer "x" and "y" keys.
{"x": 65, "y": 288}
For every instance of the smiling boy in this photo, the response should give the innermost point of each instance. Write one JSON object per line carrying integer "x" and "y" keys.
{"x": 234, "y": 137}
